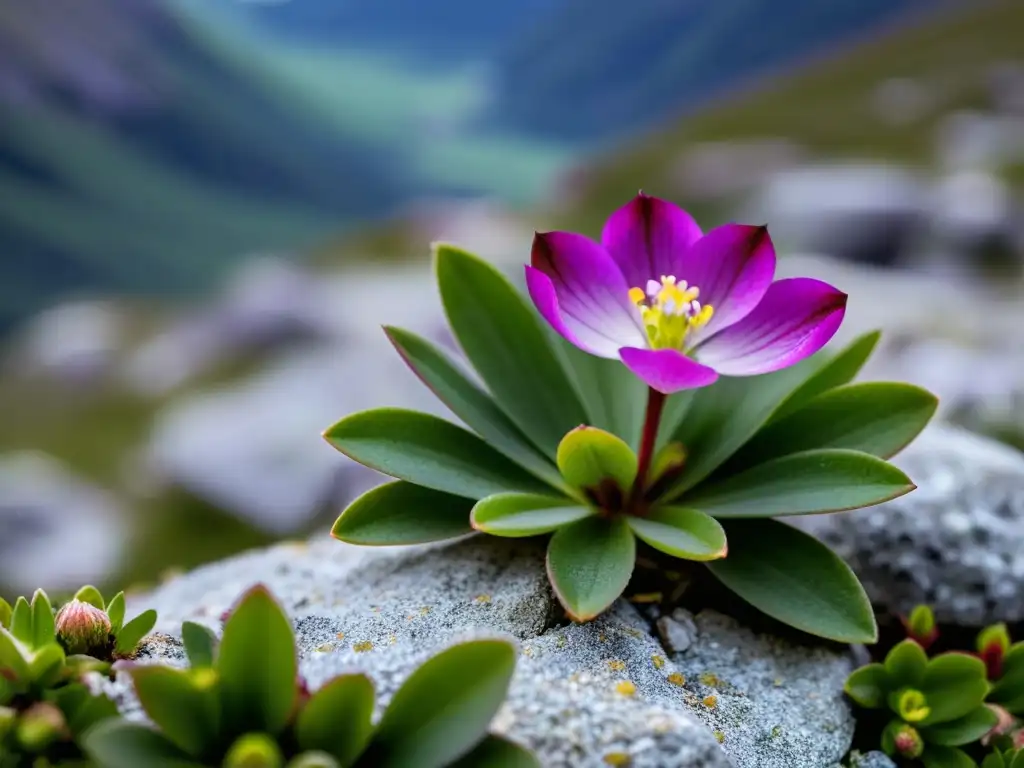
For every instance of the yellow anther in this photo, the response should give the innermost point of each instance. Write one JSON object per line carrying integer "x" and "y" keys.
{"x": 637, "y": 295}
{"x": 703, "y": 317}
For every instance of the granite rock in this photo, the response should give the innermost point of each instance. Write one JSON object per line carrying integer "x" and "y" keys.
{"x": 956, "y": 543}
{"x": 583, "y": 695}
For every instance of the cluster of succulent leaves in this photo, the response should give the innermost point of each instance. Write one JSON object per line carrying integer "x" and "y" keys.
{"x": 241, "y": 704}
{"x": 45, "y": 708}
{"x": 730, "y": 458}
{"x": 948, "y": 709}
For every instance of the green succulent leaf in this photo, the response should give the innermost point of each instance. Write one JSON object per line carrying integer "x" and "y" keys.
{"x": 1018, "y": 760}
{"x": 588, "y": 455}
{"x": 257, "y": 665}
{"x": 89, "y": 594}
{"x": 806, "y": 483}
{"x": 994, "y": 760}
{"x": 46, "y": 666}
{"x": 964, "y": 730}
{"x": 5, "y": 613}
{"x": 12, "y": 654}
{"x": 835, "y": 371}
{"x": 496, "y": 752}
{"x": 1008, "y": 690}
{"x": 403, "y": 513}
{"x": 44, "y": 630}
{"x": 117, "y": 743}
{"x": 590, "y": 563}
{"x": 727, "y": 414}
{"x": 954, "y": 684}
{"x": 132, "y": 633}
{"x": 946, "y": 757}
{"x": 115, "y": 612}
{"x": 315, "y": 759}
{"x": 793, "y": 577}
{"x": 681, "y": 532}
{"x": 429, "y": 451}
{"x": 470, "y": 403}
{"x": 183, "y": 703}
{"x": 443, "y": 710}
{"x": 906, "y": 665}
{"x": 21, "y": 621}
{"x": 503, "y": 339}
{"x": 200, "y": 645}
{"x": 80, "y": 707}
{"x": 612, "y": 396}
{"x": 868, "y": 686}
{"x": 337, "y": 719}
{"x": 520, "y": 514}
{"x": 878, "y": 418}
{"x": 674, "y": 412}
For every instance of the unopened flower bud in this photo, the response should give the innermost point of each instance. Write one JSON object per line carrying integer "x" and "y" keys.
{"x": 912, "y": 706}
{"x": 38, "y": 727}
{"x": 993, "y": 643}
{"x": 254, "y": 750}
{"x": 920, "y": 626}
{"x": 83, "y": 629}
{"x": 908, "y": 742}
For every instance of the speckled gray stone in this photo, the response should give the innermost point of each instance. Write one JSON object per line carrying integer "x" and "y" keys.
{"x": 604, "y": 693}
{"x": 777, "y": 704}
{"x": 871, "y": 760}
{"x": 956, "y": 543}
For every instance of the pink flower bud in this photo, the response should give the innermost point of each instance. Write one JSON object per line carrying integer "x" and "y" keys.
{"x": 83, "y": 628}
{"x": 908, "y": 742}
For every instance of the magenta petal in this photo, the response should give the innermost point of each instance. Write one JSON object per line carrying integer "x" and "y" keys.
{"x": 795, "y": 319}
{"x": 667, "y": 370}
{"x": 647, "y": 238}
{"x": 733, "y": 265}
{"x": 590, "y": 294}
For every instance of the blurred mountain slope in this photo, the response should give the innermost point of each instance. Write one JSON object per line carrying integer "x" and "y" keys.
{"x": 597, "y": 69}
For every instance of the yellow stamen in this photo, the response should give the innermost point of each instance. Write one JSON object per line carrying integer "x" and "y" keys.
{"x": 669, "y": 311}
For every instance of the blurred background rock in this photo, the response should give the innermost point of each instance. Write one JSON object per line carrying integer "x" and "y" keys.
{"x": 208, "y": 207}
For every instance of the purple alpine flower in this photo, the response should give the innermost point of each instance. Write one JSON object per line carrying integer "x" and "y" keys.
{"x": 678, "y": 308}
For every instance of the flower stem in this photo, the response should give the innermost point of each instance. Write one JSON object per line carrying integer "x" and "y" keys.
{"x": 652, "y": 419}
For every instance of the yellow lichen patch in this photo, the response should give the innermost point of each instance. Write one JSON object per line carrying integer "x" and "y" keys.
{"x": 645, "y": 598}
{"x": 720, "y": 736}
{"x": 615, "y": 665}
{"x": 710, "y": 702}
{"x": 625, "y": 687}
{"x": 710, "y": 679}
{"x": 482, "y": 599}
{"x": 325, "y": 647}
{"x": 658, "y": 661}
{"x": 618, "y": 759}
{"x": 677, "y": 679}
{"x": 362, "y": 647}
{"x": 340, "y": 635}
{"x": 778, "y": 682}
{"x": 392, "y": 640}
{"x": 602, "y": 637}
{"x": 528, "y": 651}
{"x": 632, "y": 632}
{"x": 560, "y": 641}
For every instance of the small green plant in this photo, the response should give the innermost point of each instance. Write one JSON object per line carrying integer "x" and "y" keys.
{"x": 241, "y": 704}
{"x": 1004, "y": 663}
{"x": 1004, "y": 758}
{"x": 696, "y": 474}
{"x": 938, "y": 704}
{"x": 44, "y": 707}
